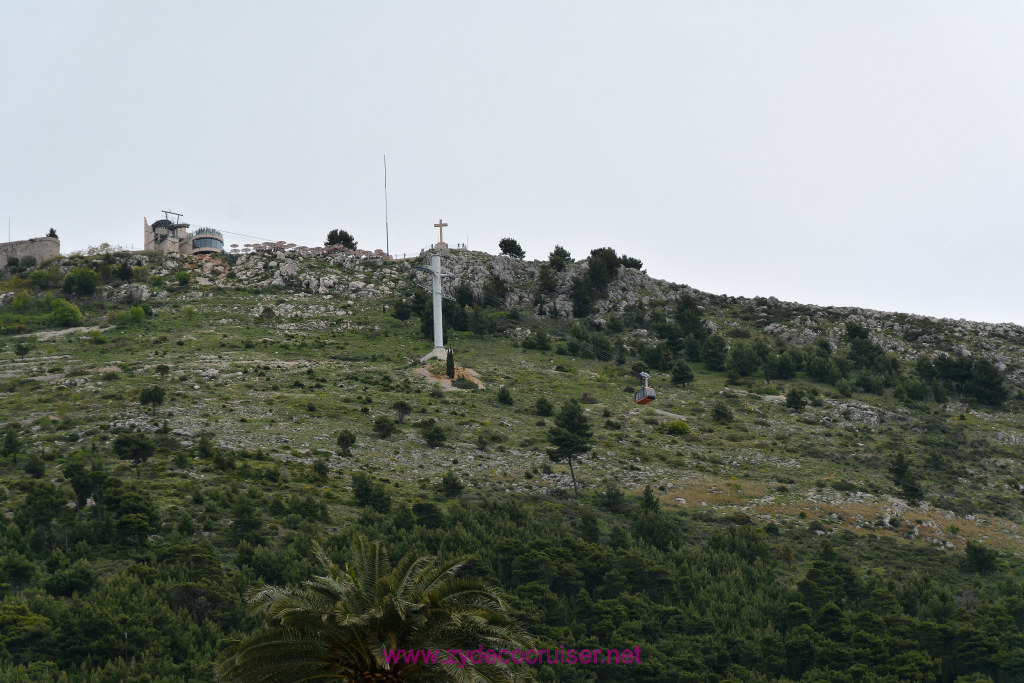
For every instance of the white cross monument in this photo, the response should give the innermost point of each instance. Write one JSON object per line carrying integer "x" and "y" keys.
{"x": 441, "y": 225}
{"x": 437, "y": 273}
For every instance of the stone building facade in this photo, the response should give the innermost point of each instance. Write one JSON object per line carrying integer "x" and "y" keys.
{"x": 40, "y": 248}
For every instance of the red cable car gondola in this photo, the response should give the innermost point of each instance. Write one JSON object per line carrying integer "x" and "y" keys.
{"x": 645, "y": 395}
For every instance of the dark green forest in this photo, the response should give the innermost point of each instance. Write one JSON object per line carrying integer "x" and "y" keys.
{"x": 705, "y": 598}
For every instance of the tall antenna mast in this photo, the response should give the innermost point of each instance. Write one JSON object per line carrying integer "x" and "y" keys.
{"x": 387, "y": 237}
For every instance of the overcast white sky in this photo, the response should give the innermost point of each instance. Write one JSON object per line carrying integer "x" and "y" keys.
{"x": 844, "y": 153}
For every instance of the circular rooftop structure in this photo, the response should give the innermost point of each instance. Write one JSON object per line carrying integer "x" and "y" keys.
{"x": 207, "y": 241}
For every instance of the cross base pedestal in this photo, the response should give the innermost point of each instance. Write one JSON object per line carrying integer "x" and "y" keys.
{"x": 439, "y": 352}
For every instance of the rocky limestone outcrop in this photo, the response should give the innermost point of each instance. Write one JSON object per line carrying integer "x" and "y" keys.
{"x": 474, "y": 268}
{"x": 131, "y": 293}
{"x": 339, "y": 274}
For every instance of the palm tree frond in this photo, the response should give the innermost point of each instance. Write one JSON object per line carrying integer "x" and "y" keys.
{"x": 337, "y": 625}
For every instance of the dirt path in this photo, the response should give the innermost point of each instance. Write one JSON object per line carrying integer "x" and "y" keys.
{"x": 50, "y": 334}
{"x": 446, "y": 384}
{"x": 668, "y": 414}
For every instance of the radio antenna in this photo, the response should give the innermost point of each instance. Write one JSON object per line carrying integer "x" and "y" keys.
{"x": 387, "y": 237}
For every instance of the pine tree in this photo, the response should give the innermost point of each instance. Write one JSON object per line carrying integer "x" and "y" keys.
{"x": 402, "y": 410}
{"x": 570, "y": 436}
{"x": 649, "y": 503}
{"x": 11, "y": 443}
{"x": 346, "y": 439}
{"x": 559, "y": 258}
{"x": 682, "y": 374}
{"x": 340, "y": 237}
{"x": 152, "y": 396}
{"x": 135, "y": 447}
{"x": 904, "y": 478}
{"x": 510, "y": 247}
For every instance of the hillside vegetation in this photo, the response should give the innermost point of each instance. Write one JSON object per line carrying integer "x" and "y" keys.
{"x": 817, "y": 494}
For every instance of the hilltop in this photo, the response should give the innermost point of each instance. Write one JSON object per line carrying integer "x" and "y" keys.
{"x": 795, "y": 455}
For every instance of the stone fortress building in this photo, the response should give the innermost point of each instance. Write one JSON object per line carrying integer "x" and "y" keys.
{"x": 169, "y": 237}
{"x": 40, "y": 248}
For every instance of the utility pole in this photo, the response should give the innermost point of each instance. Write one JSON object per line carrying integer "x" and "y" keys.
{"x": 126, "y": 657}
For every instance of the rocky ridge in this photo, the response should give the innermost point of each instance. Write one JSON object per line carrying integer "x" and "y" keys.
{"x": 354, "y": 278}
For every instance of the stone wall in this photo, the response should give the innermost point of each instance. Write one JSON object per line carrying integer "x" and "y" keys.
{"x": 42, "y": 248}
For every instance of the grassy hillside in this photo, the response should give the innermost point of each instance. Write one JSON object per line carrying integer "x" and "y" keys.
{"x": 835, "y": 494}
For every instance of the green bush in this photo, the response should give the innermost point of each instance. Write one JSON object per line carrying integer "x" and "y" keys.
{"x": 495, "y": 290}
{"x": 64, "y": 313}
{"x": 44, "y": 279}
{"x": 795, "y": 399}
{"x": 537, "y": 340}
{"x": 630, "y": 262}
{"x": 81, "y": 281}
{"x": 34, "y": 467}
{"x": 384, "y": 426}
{"x": 135, "y": 447}
{"x": 369, "y": 492}
{"x": 21, "y": 303}
{"x": 979, "y": 558}
{"x": 743, "y": 360}
{"x": 721, "y": 413}
{"x": 676, "y": 428}
{"x": 450, "y": 485}
{"x": 434, "y": 436}
{"x": 463, "y": 383}
{"x": 546, "y": 280}
{"x": 346, "y": 439}
{"x": 402, "y": 310}
{"x": 714, "y": 352}
{"x": 320, "y": 470}
{"x": 544, "y": 407}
